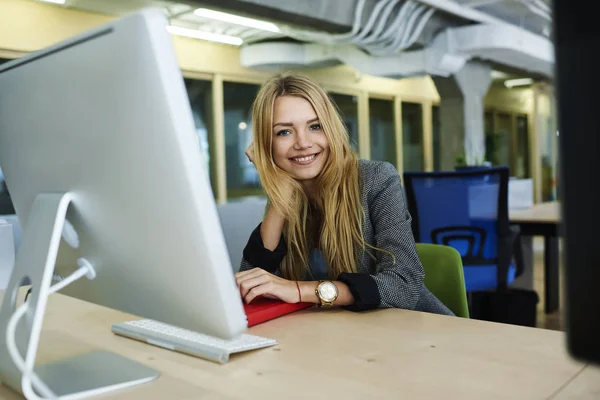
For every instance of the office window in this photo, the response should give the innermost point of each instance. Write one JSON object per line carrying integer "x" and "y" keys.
{"x": 503, "y": 126}
{"x": 488, "y": 121}
{"x": 348, "y": 107}
{"x": 436, "y": 124}
{"x": 382, "y": 132}
{"x": 412, "y": 136}
{"x": 492, "y": 138}
{"x": 242, "y": 177}
{"x": 522, "y": 147}
{"x": 200, "y": 96}
{"x": 548, "y": 137}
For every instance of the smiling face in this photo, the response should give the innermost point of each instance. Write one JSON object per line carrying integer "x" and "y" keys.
{"x": 300, "y": 146}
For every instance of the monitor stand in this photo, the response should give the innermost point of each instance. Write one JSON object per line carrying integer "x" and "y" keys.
{"x": 80, "y": 376}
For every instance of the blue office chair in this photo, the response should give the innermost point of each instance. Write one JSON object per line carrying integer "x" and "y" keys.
{"x": 468, "y": 210}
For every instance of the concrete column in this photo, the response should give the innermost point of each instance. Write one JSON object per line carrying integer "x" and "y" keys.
{"x": 461, "y": 113}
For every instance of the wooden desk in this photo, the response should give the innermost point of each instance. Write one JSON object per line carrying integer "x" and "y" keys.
{"x": 584, "y": 386}
{"x": 383, "y": 354}
{"x": 542, "y": 213}
{"x": 543, "y": 220}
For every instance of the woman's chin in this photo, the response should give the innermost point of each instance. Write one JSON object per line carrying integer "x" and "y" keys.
{"x": 305, "y": 177}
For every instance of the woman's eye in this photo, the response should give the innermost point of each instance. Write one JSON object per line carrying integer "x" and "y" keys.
{"x": 283, "y": 132}
{"x": 315, "y": 127}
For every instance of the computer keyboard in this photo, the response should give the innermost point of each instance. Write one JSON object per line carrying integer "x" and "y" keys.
{"x": 189, "y": 342}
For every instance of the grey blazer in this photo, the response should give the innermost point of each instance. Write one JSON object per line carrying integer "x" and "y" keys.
{"x": 380, "y": 282}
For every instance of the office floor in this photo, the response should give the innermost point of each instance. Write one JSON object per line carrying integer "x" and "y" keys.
{"x": 548, "y": 321}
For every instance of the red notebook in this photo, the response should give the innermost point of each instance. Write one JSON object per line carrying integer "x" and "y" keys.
{"x": 262, "y": 309}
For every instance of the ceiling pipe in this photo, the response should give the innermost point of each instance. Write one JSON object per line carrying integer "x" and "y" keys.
{"x": 452, "y": 7}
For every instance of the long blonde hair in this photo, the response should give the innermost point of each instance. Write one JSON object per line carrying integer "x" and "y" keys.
{"x": 337, "y": 196}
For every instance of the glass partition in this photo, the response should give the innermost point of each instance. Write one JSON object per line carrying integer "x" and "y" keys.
{"x": 348, "y": 107}
{"x": 436, "y": 124}
{"x": 412, "y": 136}
{"x": 200, "y": 96}
{"x": 242, "y": 177}
{"x": 382, "y": 132}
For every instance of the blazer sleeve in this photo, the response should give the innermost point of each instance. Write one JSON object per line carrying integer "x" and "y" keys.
{"x": 256, "y": 255}
{"x": 399, "y": 276}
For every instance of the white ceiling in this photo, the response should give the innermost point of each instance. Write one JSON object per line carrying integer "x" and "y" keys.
{"x": 531, "y": 15}
{"x": 181, "y": 14}
{"x": 528, "y": 14}
{"x": 518, "y": 12}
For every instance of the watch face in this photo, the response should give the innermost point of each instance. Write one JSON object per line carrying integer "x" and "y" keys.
{"x": 328, "y": 291}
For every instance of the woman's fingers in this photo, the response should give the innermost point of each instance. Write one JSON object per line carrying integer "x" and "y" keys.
{"x": 258, "y": 282}
{"x": 248, "y": 284}
{"x": 251, "y": 273}
{"x": 264, "y": 289}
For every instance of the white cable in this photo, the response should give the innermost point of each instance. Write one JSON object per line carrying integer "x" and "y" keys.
{"x": 408, "y": 38}
{"x": 13, "y": 351}
{"x": 327, "y": 37}
{"x": 419, "y": 29}
{"x": 29, "y": 379}
{"x": 396, "y": 24}
{"x": 83, "y": 270}
{"x": 377, "y": 33}
{"x": 396, "y": 29}
{"x": 390, "y": 30}
{"x": 357, "y": 20}
{"x": 392, "y": 40}
{"x": 381, "y": 34}
{"x": 406, "y": 33}
{"x": 372, "y": 19}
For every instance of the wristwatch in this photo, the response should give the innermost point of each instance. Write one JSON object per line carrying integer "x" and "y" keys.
{"x": 327, "y": 292}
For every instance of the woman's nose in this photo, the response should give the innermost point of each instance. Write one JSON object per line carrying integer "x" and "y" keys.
{"x": 303, "y": 141}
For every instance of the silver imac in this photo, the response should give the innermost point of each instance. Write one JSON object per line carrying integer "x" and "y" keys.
{"x": 100, "y": 154}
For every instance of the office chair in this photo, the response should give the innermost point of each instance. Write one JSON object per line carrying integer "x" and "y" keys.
{"x": 468, "y": 210}
{"x": 444, "y": 276}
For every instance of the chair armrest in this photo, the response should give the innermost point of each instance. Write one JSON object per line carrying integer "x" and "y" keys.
{"x": 518, "y": 250}
{"x": 509, "y": 246}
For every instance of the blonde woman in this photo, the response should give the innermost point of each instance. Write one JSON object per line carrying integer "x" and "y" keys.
{"x": 336, "y": 230}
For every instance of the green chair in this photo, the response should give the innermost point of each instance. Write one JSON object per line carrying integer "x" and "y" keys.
{"x": 444, "y": 276}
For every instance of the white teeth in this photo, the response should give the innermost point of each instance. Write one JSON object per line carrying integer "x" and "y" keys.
{"x": 305, "y": 159}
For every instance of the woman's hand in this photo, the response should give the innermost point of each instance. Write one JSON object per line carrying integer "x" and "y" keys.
{"x": 287, "y": 189}
{"x": 258, "y": 282}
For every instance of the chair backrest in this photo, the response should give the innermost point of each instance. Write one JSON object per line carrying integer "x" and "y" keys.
{"x": 444, "y": 276}
{"x": 238, "y": 220}
{"x": 467, "y": 210}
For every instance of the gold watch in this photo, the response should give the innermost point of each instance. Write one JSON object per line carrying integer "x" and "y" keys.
{"x": 327, "y": 292}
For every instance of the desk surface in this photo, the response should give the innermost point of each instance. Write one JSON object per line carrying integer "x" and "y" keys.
{"x": 380, "y": 354}
{"x": 586, "y": 385}
{"x": 539, "y": 213}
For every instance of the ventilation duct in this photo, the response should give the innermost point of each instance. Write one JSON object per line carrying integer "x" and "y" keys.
{"x": 447, "y": 54}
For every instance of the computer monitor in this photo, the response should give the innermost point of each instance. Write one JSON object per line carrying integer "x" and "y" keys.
{"x": 576, "y": 37}
{"x": 98, "y": 128}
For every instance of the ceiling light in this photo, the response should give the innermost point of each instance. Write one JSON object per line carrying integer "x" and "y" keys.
{"x": 196, "y": 34}
{"x": 518, "y": 82}
{"x": 235, "y": 19}
{"x": 498, "y": 74}
{"x": 55, "y": 1}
